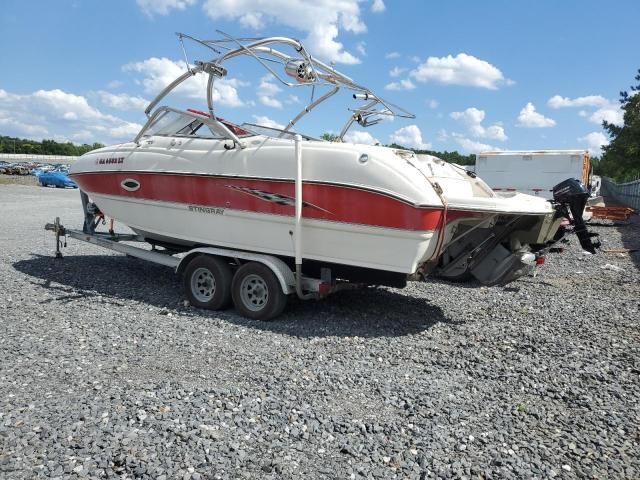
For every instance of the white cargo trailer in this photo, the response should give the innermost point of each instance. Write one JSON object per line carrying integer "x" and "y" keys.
{"x": 532, "y": 172}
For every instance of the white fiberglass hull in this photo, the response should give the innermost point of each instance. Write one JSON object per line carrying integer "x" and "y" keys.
{"x": 348, "y": 244}
{"x": 383, "y": 213}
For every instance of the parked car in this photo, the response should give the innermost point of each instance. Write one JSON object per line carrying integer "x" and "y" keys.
{"x": 20, "y": 169}
{"x": 57, "y": 178}
{"x": 40, "y": 169}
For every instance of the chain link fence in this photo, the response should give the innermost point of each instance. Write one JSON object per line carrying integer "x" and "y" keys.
{"x": 625, "y": 193}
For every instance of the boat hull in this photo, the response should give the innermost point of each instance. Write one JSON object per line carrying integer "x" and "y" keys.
{"x": 375, "y": 247}
{"x": 363, "y": 206}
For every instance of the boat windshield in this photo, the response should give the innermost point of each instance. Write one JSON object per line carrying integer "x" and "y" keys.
{"x": 173, "y": 123}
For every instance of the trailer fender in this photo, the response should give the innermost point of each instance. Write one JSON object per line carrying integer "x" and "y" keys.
{"x": 280, "y": 269}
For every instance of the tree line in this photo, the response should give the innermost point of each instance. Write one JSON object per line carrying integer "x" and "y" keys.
{"x": 621, "y": 158}
{"x": 45, "y": 147}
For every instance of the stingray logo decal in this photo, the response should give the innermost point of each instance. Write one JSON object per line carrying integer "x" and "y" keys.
{"x": 274, "y": 197}
{"x": 209, "y": 210}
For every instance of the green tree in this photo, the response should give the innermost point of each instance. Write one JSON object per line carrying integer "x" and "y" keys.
{"x": 451, "y": 157}
{"x": 46, "y": 147}
{"x": 329, "y": 137}
{"x": 621, "y": 158}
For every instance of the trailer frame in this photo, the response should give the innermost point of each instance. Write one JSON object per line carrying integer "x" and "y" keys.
{"x": 311, "y": 288}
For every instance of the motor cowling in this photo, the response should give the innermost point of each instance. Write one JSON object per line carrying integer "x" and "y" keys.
{"x": 570, "y": 196}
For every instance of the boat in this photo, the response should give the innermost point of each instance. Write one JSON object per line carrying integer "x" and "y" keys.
{"x": 359, "y": 213}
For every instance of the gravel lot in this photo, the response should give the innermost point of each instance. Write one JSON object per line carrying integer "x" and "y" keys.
{"x": 104, "y": 373}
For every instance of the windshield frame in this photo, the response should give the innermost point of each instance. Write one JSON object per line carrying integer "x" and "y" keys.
{"x": 220, "y": 129}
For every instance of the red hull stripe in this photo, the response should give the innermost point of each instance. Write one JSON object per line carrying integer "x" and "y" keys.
{"x": 322, "y": 202}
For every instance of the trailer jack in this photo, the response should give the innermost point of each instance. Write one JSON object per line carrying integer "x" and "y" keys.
{"x": 60, "y": 232}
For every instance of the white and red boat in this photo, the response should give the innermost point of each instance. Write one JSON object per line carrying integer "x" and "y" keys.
{"x": 364, "y": 213}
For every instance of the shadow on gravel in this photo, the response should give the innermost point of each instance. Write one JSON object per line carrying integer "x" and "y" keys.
{"x": 111, "y": 276}
{"x": 371, "y": 312}
{"x": 630, "y": 235}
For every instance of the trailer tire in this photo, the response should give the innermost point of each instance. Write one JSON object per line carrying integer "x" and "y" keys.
{"x": 257, "y": 293}
{"x": 207, "y": 282}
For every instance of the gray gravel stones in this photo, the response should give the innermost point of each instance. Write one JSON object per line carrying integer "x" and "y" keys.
{"x": 105, "y": 373}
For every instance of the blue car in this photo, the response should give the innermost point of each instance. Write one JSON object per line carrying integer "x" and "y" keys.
{"x": 57, "y": 178}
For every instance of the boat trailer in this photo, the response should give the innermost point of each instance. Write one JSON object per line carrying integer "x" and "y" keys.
{"x": 257, "y": 284}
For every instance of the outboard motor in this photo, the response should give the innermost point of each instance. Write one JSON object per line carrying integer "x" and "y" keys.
{"x": 571, "y": 196}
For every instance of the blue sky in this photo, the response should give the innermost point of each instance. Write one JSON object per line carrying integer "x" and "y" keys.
{"x": 478, "y": 75}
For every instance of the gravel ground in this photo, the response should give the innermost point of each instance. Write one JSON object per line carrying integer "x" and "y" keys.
{"x": 104, "y": 373}
{"x": 17, "y": 180}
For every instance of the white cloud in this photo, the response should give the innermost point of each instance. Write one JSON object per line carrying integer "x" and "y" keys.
{"x": 359, "y": 136}
{"x": 443, "y": 136}
{"x": 472, "y": 118}
{"x": 65, "y": 105}
{"x": 361, "y": 48}
{"x": 12, "y": 126}
{"x": 122, "y": 101}
{"x": 594, "y": 141}
{"x": 405, "y": 84}
{"x": 409, "y": 136}
{"x": 495, "y": 132}
{"x": 126, "y": 130}
{"x": 163, "y": 7}
{"x": 160, "y": 72}
{"x": 612, "y": 114}
{"x": 267, "y": 91}
{"x": 292, "y": 99}
{"x": 267, "y": 122}
{"x": 472, "y": 146}
{"x": 253, "y": 20}
{"x": 463, "y": 69}
{"x": 113, "y": 84}
{"x": 589, "y": 101}
{"x": 432, "y": 104}
{"x": 606, "y": 109}
{"x": 59, "y": 114}
{"x": 528, "y": 117}
{"x": 378, "y": 6}
{"x": 396, "y": 72}
{"x": 392, "y": 55}
{"x": 322, "y": 20}
{"x": 270, "y": 102}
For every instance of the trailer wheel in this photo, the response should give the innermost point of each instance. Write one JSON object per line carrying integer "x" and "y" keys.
{"x": 257, "y": 293}
{"x": 207, "y": 282}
